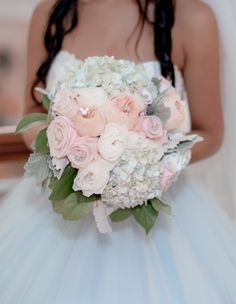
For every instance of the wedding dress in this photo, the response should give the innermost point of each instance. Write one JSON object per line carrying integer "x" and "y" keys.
{"x": 188, "y": 258}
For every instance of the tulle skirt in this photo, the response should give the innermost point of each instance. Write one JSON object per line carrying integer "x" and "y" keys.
{"x": 188, "y": 258}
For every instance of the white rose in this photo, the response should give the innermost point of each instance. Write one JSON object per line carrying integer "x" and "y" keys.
{"x": 94, "y": 178}
{"x": 157, "y": 148}
{"x": 137, "y": 140}
{"x": 112, "y": 142}
{"x": 93, "y": 96}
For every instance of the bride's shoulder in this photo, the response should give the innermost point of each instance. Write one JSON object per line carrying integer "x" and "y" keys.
{"x": 196, "y": 22}
{"x": 41, "y": 12}
{"x": 194, "y": 15}
{"x": 39, "y": 20}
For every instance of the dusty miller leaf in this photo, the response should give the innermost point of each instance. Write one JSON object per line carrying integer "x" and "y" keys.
{"x": 37, "y": 166}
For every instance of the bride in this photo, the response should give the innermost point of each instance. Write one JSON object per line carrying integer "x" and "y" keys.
{"x": 188, "y": 257}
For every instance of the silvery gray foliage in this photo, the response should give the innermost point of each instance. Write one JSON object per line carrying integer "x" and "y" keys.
{"x": 157, "y": 82}
{"x": 183, "y": 144}
{"x": 157, "y": 108}
{"x": 188, "y": 143}
{"x": 37, "y": 166}
{"x": 160, "y": 110}
{"x": 52, "y": 168}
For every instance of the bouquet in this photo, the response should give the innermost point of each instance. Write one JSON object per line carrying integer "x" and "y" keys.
{"x": 113, "y": 142}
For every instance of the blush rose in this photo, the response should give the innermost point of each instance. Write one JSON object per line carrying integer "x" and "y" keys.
{"x": 152, "y": 127}
{"x": 83, "y": 152}
{"x": 66, "y": 102}
{"x": 94, "y": 178}
{"x": 61, "y": 135}
{"x": 123, "y": 109}
{"x": 175, "y": 104}
{"x": 89, "y": 122}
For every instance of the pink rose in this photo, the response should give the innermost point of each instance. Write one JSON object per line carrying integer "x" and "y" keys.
{"x": 83, "y": 151}
{"x": 167, "y": 177}
{"x": 93, "y": 97}
{"x": 175, "y": 104}
{"x": 94, "y": 178}
{"x": 123, "y": 109}
{"x": 152, "y": 127}
{"x": 165, "y": 85}
{"x": 89, "y": 122}
{"x": 61, "y": 135}
{"x": 66, "y": 102}
{"x": 112, "y": 142}
{"x": 101, "y": 213}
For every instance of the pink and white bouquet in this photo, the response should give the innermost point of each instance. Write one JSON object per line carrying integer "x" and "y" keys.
{"x": 113, "y": 144}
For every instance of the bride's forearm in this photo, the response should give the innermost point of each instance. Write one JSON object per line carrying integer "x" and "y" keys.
{"x": 30, "y": 134}
{"x": 210, "y": 145}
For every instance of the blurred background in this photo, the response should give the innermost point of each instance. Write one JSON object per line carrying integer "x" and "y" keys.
{"x": 14, "y": 23}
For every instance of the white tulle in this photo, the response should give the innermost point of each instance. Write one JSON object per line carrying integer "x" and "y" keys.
{"x": 188, "y": 257}
{"x": 218, "y": 173}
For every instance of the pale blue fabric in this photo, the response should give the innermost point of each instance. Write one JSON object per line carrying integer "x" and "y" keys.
{"x": 188, "y": 258}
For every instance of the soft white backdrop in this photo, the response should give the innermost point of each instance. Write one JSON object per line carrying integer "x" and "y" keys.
{"x": 16, "y": 9}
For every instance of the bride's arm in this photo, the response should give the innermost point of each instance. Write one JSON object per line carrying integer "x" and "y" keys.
{"x": 35, "y": 56}
{"x": 202, "y": 77}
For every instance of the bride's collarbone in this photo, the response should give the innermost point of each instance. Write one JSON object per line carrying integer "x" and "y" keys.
{"x": 120, "y": 47}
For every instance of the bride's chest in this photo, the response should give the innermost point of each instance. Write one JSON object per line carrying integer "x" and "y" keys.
{"x": 108, "y": 37}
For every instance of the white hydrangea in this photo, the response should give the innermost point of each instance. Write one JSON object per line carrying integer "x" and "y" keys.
{"x": 109, "y": 73}
{"x": 135, "y": 179}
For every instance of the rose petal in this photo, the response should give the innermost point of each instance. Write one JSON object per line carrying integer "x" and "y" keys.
{"x": 101, "y": 217}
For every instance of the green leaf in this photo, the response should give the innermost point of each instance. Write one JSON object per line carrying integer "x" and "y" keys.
{"x": 74, "y": 210}
{"x": 146, "y": 216}
{"x": 53, "y": 180}
{"x": 74, "y": 207}
{"x": 120, "y": 215}
{"x": 84, "y": 199}
{"x": 158, "y": 205}
{"x": 58, "y": 206}
{"x": 46, "y": 102}
{"x": 63, "y": 187}
{"x": 41, "y": 143}
{"x": 30, "y": 119}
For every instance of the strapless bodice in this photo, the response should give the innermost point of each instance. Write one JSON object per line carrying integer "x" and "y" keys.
{"x": 65, "y": 59}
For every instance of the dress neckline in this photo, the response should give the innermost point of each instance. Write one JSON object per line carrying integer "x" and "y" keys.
{"x": 148, "y": 62}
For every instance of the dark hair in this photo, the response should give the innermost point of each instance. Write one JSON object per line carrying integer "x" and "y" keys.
{"x": 63, "y": 18}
